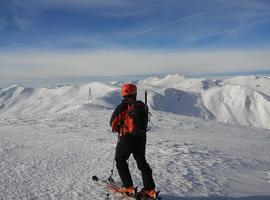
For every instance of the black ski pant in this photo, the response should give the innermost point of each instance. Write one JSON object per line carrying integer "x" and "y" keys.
{"x": 127, "y": 145}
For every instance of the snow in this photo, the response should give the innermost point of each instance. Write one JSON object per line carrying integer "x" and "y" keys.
{"x": 53, "y": 140}
{"x": 239, "y": 105}
{"x": 258, "y": 83}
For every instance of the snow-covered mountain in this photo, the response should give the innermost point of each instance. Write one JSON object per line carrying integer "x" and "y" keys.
{"x": 240, "y": 100}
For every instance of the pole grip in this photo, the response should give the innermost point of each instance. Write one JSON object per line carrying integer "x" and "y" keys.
{"x": 145, "y": 97}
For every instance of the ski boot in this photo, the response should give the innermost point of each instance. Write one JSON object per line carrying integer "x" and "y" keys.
{"x": 149, "y": 194}
{"x": 129, "y": 191}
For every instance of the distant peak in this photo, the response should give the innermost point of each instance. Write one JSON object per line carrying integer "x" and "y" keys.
{"x": 175, "y": 75}
{"x": 15, "y": 86}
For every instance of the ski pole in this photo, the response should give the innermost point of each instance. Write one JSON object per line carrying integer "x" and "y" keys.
{"x": 145, "y": 97}
{"x": 110, "y": 179}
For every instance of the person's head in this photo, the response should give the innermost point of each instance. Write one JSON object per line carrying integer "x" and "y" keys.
{"x": 129, "y": 91}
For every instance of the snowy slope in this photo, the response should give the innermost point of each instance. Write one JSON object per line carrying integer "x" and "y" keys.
{"x": 20, "y": 100}
{"x": 258, "y": 83}
{"x": 239, "y": 100}
{"x": 239, "y": 105}
{"x": 179, "y": 82}
{"x": 55, "y": 156}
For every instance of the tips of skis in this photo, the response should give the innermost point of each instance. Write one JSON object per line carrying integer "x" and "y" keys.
{"x": 95, "y": 178}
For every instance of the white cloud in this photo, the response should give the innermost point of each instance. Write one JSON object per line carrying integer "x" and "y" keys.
{"x": 128, "y": 62}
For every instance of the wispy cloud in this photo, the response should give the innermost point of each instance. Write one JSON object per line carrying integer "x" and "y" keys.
{"x": 117, "y": 8}
{"x": 225, "y": 20}
{"x": 80, "y": 24}
{"x": 231, "y": 31}
{"x": 27, "y": 14}
{"x": 176, "y": 21}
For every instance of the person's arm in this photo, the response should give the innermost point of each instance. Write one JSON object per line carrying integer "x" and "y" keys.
{"x": 116, "y": 119}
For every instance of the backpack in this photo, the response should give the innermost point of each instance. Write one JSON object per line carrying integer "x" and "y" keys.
{"x": 135, "y": 118}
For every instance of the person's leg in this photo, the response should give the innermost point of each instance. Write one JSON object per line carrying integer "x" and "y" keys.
{"x": 123, "y": 151}
{"x": 138, "y": 149}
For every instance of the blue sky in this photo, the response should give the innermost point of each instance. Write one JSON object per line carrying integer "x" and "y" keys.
{"x": 98, "y": 37}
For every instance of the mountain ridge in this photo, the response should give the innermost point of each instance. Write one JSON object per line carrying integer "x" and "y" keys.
{"x": 243, "y": 100}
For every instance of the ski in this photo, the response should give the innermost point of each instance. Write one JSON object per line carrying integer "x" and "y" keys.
{"x": 112, "y": 189}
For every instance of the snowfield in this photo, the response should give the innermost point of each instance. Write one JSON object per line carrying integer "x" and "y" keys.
{"x": 52, "y": 140}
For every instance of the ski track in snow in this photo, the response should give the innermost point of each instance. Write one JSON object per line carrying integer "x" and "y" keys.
{"x": 55, "y": 156}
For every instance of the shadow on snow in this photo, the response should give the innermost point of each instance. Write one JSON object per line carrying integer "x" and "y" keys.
{"x": 168, "y": 197}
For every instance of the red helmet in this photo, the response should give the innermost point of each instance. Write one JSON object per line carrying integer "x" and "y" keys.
{"x": 129, "y": 89}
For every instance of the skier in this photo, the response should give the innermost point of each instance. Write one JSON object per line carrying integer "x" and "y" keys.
{"x": 130, "y": 121}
